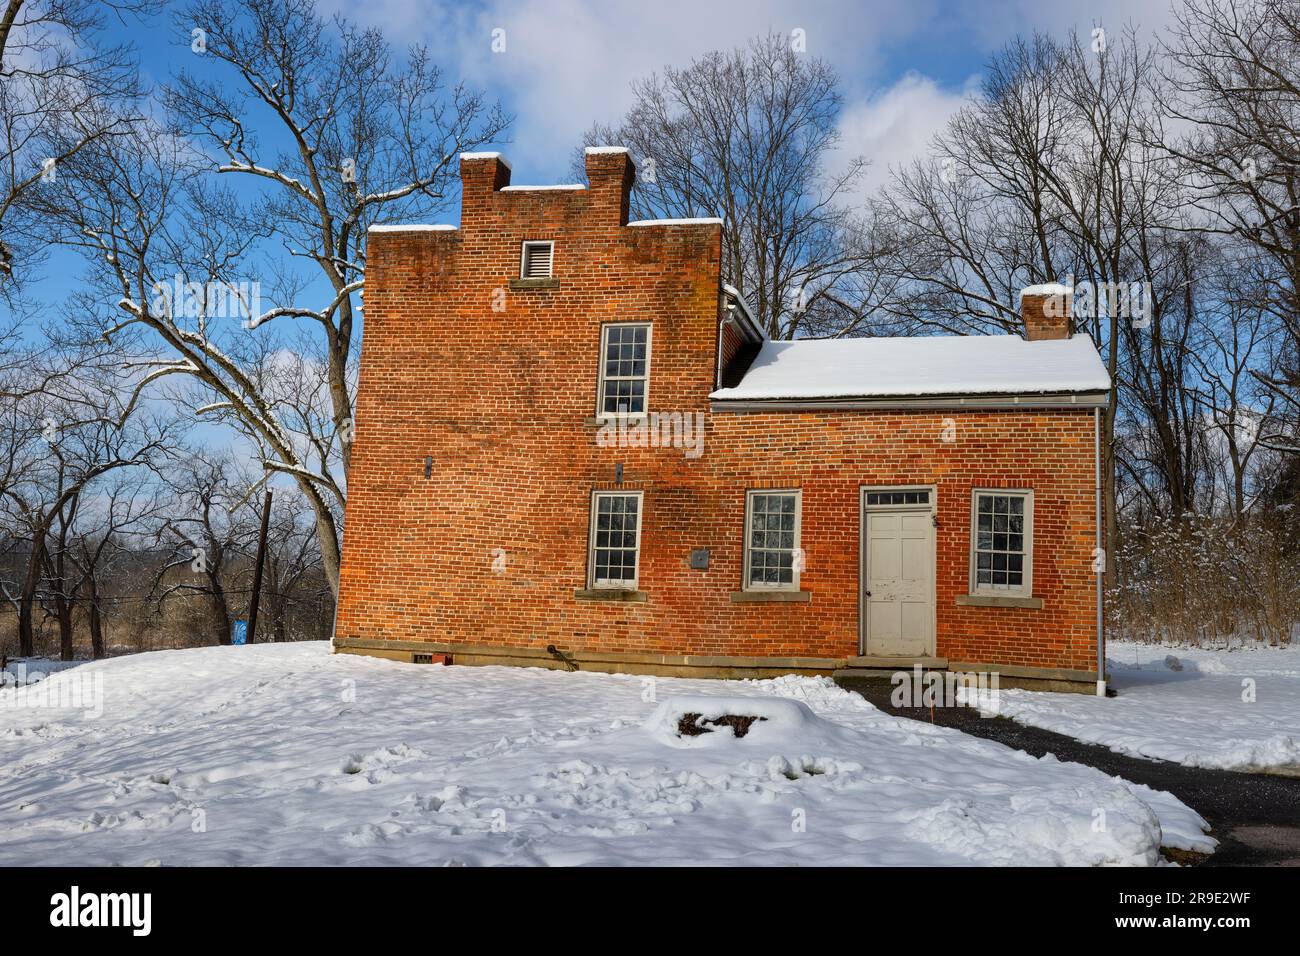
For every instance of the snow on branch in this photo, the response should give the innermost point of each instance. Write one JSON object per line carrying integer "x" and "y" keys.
{"x": 321, "y": 315}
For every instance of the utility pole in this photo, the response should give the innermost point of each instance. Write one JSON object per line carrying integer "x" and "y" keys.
{"x": 257, "y": 568}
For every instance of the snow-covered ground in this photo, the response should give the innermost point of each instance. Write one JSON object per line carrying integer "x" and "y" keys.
{"x": 29, "y": 670}
{"x": 286, "y": 754}
{"x": 1231, "y": 710}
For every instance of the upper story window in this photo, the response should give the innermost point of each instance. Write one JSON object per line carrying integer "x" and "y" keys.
{"x": 1002, "y": 526}
{"x": 624, "y": 369}
{"x": 772, "y": 556}
{"x": 536, "y": 260}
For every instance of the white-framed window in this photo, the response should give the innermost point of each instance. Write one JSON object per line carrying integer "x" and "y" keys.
{"x": 624, "y": 386}
{"x": 615, "y": 549}
{"x": 536, "y": 260}
{"x": 1002, "y": 542}
{"x": 772, "y": 556}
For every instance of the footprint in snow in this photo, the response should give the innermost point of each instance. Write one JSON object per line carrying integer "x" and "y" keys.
{"x": 370, "y": 834}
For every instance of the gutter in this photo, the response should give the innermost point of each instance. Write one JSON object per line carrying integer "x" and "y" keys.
{"x": 1094, "y": 400}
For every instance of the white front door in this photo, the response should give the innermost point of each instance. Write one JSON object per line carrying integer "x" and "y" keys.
{"x": 898, "y": 580}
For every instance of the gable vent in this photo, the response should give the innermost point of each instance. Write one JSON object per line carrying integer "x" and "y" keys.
{"x": 536, "y": 260}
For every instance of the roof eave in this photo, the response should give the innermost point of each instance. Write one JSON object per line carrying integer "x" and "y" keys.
{"x": 752, "y": 329}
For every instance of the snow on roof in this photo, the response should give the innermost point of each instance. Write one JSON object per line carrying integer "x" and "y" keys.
{"x": 604, "y": 150}
{"x": 488, "y": 155}
{"x": 921, "y": 366}
{"x": 1048, "y": 288}
{"x": 411, "y": 227}
{"x": 524, "y": 189}
{"x": 705, "y": 221}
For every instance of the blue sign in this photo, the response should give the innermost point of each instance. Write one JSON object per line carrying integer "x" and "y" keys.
{"x": 239, "y": 633}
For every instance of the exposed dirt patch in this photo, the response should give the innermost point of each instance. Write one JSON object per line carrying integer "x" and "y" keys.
{"x": 693, "y": 725}
{"x": 1183, "y": 857}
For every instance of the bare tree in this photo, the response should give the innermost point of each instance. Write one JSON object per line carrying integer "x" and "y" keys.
{"x": 293, "y": 578}
{"x": 73, "y": 439}
{"x": 749, "y": 135}
{"x": 106, "y": 530}
{"x": 1162, "y": 444}
{"x": 369, "y": 136}
{"x": 1233, "y": 344}
{"x": 60, "y": 90}
{"x": 1236, "y": 72}
{"x": 1053, "y": 174}
{"x": 209, "y": 528}
{"x": 157, "y": 238}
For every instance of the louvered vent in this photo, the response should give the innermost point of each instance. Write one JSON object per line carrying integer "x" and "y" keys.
{"x": 537, "y": 260}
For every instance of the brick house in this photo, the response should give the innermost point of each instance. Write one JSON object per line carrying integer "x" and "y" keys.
{"x": 574, "y": 447}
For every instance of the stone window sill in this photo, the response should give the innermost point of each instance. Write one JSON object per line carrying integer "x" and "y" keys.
{"x": 762, "y": 597}
{"x": 595, "y": 421}
{"x": 998, "y": 600}
{"x": 610, "y": 594}
{"x": 525, "y": 284}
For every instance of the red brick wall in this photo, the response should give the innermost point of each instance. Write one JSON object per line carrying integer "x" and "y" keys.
{"x": 732, "y": 341}
{"x": 501, "y": 400}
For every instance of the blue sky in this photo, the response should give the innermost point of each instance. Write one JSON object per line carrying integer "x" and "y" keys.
{"x": 905, "y": 65}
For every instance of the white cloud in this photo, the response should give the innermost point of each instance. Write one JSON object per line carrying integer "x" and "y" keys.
{"x": 568, "y": 64}
{"x": 994, "y": 24}
{"x": 896, "y": 125}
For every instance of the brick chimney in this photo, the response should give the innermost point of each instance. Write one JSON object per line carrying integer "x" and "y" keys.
{"x": 610, "y": 175}
{"x": 1045, "y": 310}
{"x": 481, "y": 174}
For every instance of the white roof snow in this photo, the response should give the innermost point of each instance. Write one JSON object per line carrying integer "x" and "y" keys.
{"x": 705, "y": 221}
{"x": 538, "y": 189}
{"x": 411, "y": 227}
{"x": 604, "y": 150}
{"x": 489, "y": 155}
{"x": 933, "y": 365}
{"x": 1048, "y": 288}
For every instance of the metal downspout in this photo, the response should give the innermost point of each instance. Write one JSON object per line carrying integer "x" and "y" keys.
{"x": 1101, "y": 557}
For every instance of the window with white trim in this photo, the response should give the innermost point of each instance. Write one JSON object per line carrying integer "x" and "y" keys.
{"x": 624, "y": 369}
{"x": 536, "y": 260}
{"x": 615, "y": 539}
{"x": 1002, "y": 542}
{"x": 772, "y": 556}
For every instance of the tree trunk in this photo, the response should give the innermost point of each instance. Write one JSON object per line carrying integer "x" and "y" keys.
{"x": 27, "y": 597}
{"x": 63, "y": 611}
{"x": 327, "y": 533}
{"x": 96, "y": 633}
{"x": 56, "y": 575}
{"x": 96, "y": 623}
{"x": 219, "y": 614}
{"x": 324, "y": 620}
{"x": 26, "y": 637}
